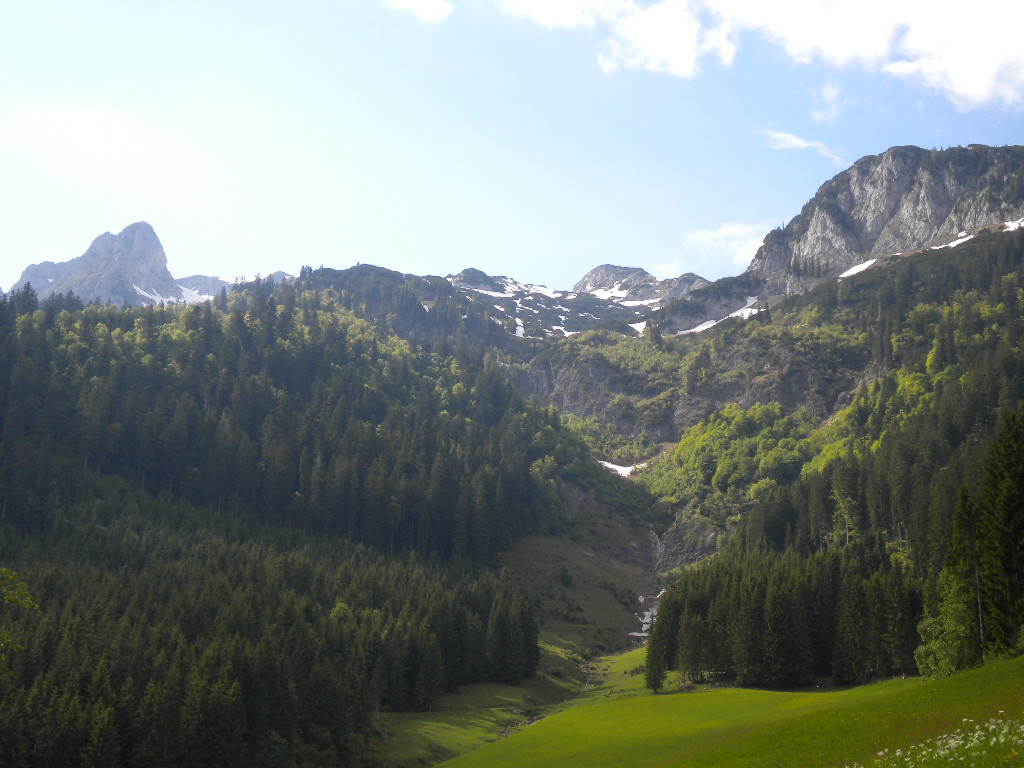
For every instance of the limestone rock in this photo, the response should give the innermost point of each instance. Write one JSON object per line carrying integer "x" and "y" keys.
{"x": 900, "y": 200}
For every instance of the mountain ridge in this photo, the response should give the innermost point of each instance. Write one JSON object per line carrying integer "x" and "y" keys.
{"x": 881, "y": 208}
{"x": 903, "y": 199}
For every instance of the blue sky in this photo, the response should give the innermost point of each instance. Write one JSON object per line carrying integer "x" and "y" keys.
{"x": 530, "y": 138}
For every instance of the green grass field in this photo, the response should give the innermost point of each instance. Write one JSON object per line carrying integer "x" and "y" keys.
{"x": 617, "y": 723}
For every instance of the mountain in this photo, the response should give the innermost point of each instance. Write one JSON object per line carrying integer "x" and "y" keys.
{"x": 535, "y": 311}
{"x": 635, "y": 287}
{"x": 607, "y": 296}
{"x": 904, "y": 199}
{"x": 129, "y": 268}
{"x": 883, "y": 208}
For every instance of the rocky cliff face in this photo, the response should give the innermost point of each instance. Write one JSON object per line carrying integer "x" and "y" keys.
{"x": 127, "y": 268}
{"x": 900, "y": 200}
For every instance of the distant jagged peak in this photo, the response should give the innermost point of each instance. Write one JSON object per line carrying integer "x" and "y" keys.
{"x": 499, "y": 286}
{"x": 634, "y": 286}
{"x": 474, "y": 279}
{"x": 138, "y": 238}
{"x": 127, "y": 268}
{"x": 609, "y": 277}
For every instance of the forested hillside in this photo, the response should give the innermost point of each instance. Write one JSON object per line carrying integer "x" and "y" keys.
{"x": 286, "y": 404}
{"x": 251, "y": 524}
{"x": 904, "y": 504}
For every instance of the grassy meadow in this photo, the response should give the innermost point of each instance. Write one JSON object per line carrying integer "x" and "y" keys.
{"x": 596, "y": 712}
{"x": 618, "y": 723}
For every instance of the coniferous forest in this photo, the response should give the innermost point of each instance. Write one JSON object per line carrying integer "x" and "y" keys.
{"x": 251, "y": 525}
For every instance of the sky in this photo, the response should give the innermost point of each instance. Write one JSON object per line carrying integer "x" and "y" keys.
{"x": 530, "y": 138}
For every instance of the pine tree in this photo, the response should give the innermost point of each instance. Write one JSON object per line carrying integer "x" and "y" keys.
{"x": 1000, "y": 537}
{"x": 103, "y": 749}
{"x": 849, "y": 655}
{"x": 963, "y": 566}
{"x": 655, "y": 668}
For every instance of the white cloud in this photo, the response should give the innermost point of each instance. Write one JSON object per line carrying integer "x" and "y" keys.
{"x": 565, "y": 14}
{"x": 430, "y": 11}
{"x": 841, "y": 33}
{"x": 973, "y": 57}
{"x": 103, "y": 146}
{"x": 831, "y": 104}
{"x": 714, "y": 253}
{"x": 780, "y": 140}
{"x": 664, "y": 37}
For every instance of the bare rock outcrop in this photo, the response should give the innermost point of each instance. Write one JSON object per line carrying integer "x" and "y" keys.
{"x": 900, "y": 200}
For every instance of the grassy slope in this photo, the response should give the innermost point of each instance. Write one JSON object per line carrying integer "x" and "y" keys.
{"x": 617, "y": 724}
{"x": 585, "y": 582}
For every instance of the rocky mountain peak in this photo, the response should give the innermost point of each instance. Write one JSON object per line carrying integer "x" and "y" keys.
{"x": 135, "y": 249}
{"x": 127, "y": 268}
{"x": 633, "y": 285}
{"x": 607, "y": 276}
{"x": 897, "y": 201}
{"x": 474, "y": 279}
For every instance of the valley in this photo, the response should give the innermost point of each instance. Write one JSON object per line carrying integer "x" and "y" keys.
{"x": 358, "y": 517}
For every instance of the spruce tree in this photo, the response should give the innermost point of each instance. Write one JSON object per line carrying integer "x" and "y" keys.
{"x": 655, "y": 668}
{"x": 1000, "y": 537}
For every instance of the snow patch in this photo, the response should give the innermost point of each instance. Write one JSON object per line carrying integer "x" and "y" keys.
{"x": 857, "y": 269}
{"x": 156, "y": 298}
{"x": 545, "y": 291}
{"x": 615, "y": 292}
{"x": 746, "y": 312}
{"x": 520, "y": 330}
{"x": 644, "y": 303}
{"x": 702, "y": 326}
{"x": 189, "y": 296}
{"x": 639, "y": 327}
{"x": 619, "y": 469}
{"x": 1012, "y": 226}
{"x": 963, "y": 237}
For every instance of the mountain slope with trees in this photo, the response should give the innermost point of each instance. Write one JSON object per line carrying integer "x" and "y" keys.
{"x": 901, "y": 506}
{"x": 254, "y": 523}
